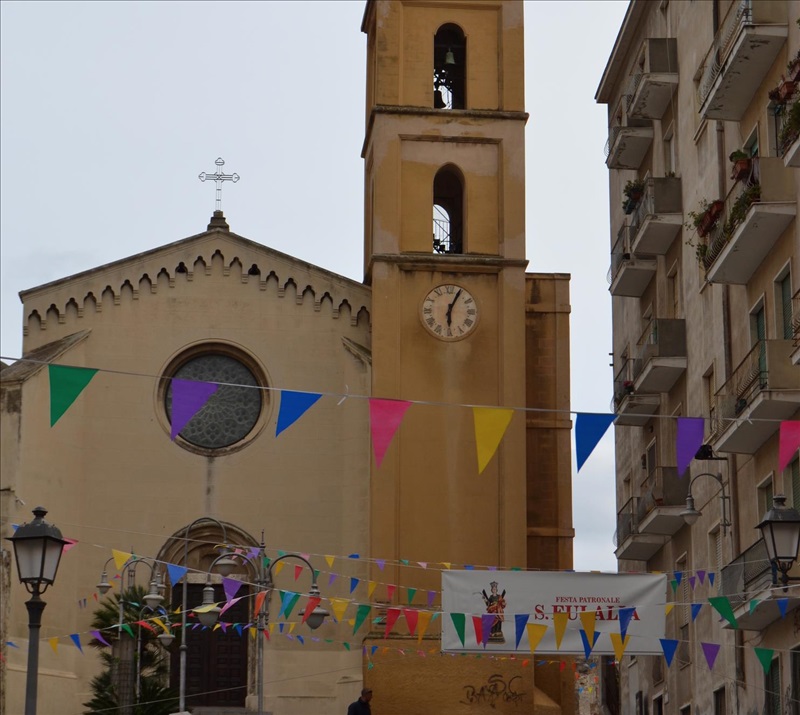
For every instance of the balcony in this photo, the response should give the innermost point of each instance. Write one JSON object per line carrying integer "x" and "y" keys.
{"x": 661, "y": 358}
{"x": 652, "y": 88}
{"x": 627, "y": 145}
{"x": 749, "y": 578}
{"x": 756, "y": 214}
{"x": 747, "y": 43}
{"x": 663, "y": 499}
{"x": 763, "y": 390}
{"x": 632, "y": 408}
{"x": 796, "y": 328}
{"x": 629, "y": 274}
{"x": 658, "y": 218}
{"x": 631, "y": 544}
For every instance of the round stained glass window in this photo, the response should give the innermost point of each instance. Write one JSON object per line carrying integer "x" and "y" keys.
{"x": 232, "y": 410}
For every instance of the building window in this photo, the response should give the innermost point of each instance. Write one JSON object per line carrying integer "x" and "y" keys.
{"x": 232, "y": 411}
{"x": 658, "y": 705}
{"x": 783, "y": 300}
{"x": 772, "y": 689}
{"x": 686, "y": 710}
{"x": 720, "y": 708}
{"x": 449, "y": 68}
{"x": 765, "y": 492}
{"x": 448, "y": 211}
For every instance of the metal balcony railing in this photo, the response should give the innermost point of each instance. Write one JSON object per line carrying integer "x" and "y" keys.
{"x": 662, "y": 488}
{"x": 627, "y": 521}
{"x": 749, "y": 572}
{"x": 620, "y": 251}
{"x": 740, "y": 14}
{"x": 796, "y": 319}
{"x": 623, "y": 385}
{"x": 662, "y": 337}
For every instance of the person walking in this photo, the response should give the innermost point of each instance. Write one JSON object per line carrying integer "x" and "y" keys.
{"x": 361, "y": 706}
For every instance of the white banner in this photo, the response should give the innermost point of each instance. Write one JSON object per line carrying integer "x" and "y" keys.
{"x": 497, "y": 605}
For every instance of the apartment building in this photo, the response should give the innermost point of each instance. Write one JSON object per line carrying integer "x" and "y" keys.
{"x": 703, "y": 154}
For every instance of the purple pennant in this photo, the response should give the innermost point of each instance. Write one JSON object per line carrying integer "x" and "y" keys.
{"x": 230, "y": 586}
{"x": 520, "y": 621}
{"x": 669, "y": 646}
{"x": 625, "y": 615}
{"x": 692, "y": 581}
{"x": 76, "y": 639}
{"x": 782, "y": 605}
{"x": 381, "y": 563}
{"x": 188, "y": 398}
{"x": 689, "y": 440}
{"x": 701, "y": 575}
{"x": 487, "y": 620}
{"x": 710, "y": 650}
{"x": 99, "y": 636}
{"x": 431, "y": 596}
{"x": 224, "y": 626}
{"x": 331, "y": 579}
{"x": 696, "y": 609}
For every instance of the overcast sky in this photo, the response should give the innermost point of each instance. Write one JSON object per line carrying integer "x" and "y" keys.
{"x": 110, "y": 110}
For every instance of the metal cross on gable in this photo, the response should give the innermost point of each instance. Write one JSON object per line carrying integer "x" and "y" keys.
{"x": 219, "y": 177}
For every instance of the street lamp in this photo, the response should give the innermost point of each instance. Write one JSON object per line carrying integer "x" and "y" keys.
{"x": 691, "y": 515}
{"x": 780, "y": 527}
{"x": 263, "y": 579}
{"x": 165, "y": 638}
{"x": 38, "y": 546}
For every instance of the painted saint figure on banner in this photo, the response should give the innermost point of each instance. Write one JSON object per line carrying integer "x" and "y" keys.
{"x": 495, "y": 604}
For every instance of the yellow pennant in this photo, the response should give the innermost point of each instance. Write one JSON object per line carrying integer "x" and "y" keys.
{"x": 216, "y": 625}
{"x": 535, "y": 633}
{"x": 668, "y": 608}
{"x": 253, "y": 630}
{"x": 423, "y": 619}
{"x": 490, "y": 426}
{"x": 446, "y": 564}
{"x": 619, "y": 644}
{"x": 371, "y": 588}
{"x": 329, "y": 561}
{"x": 205, "y": 609}
{"x": 291, "y": 626}
{"x": 339, "y": 606}
{"x": 271, "y": 628}
{"x": 54, "y": 644}
{"x": 159, "y": 622}
{"x": 120, "y": 557}
{"x": 278, "y": 567}
{"x": 560, "y": 624}
{"x": 588, "y": 619}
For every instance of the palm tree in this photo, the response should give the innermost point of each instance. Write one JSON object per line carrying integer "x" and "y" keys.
{"x": 155, "y": 698}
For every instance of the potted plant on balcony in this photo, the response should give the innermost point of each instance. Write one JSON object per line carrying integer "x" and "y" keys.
{"x": 706, "y": 218}
{"x": 793, "y": 68}
{"x": 790, "y": 129}
{"x": 633, "y": 192}
{"x": 784, "y": 91}
{"x": 740, "y": 207}
{"x": 742, "y": 165}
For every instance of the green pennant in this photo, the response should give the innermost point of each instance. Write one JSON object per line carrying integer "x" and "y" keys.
{"x": 361, "y": 614}
{"x": 316, "y": 575}
{"x": 459, "y": 621}
{"x": 674, "y": 585}
{"x": 516, "y": 568}
{"x": 66, "y": 383}
{"x": 764, "y": 656}
{"x": 127, "y": 629}
{"x": 346, "y": 645}
{"x": 411, "y": 593}
{"x": 292, "y": 603}
{"x": 723, "y": 605}
{"x": 753, "y": 605}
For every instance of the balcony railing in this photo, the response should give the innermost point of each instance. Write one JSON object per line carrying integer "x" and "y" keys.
{"x": 658, "y": 217}
{"x": 796, "y": 319}
{"x": 627, "y": 519}
{"x": 663, "y": 488}
{"x": 750, "y": 572}
{"x": 740, "y": 14}
{"x": 651, "y": 88}
{"x": 629, "y": 274}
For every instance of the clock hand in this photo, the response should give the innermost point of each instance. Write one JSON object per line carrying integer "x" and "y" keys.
{"x": 450, "y": 307}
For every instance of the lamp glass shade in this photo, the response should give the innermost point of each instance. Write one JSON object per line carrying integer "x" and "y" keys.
{"x": 225, "y": 566}
{"x": 38, "y": 547}
{"x": 316, "y": 618}
{"x": 165, "y": 639}
{"x": 208, "y": 618}
{"x": 780, "y": 528}
{"x": 153, "y": 600}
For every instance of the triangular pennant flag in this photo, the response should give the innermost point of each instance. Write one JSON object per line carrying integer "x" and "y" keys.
{"x": 752, "y": 605}
{"x": 371, "y": 586}
{"x": 229, "y": 604}
{"x": 411, "y": 619}
{"x": 536, "y": 632}
{"x": 329, "y": 561}
{"x": 477, "y": 625}
{"x": 411, "y": 593}
{"x": 188, "y": 398}
{"x": 688, "y": 440}
{"x": 783, "y": 603}
{"x": 339, "y": 606}
{"x": 353, "y": 583}
{"x": 764, "y": 656}
{"x": 678, "y": 577}
{"x": 431, "y": 598}
{"x": 313, "y": 602}
{"x": 381, "y": 563}
{"x": 424, "y": 619}
{"x": 625, "y": 615}
{"x": 696, "y": 609}
{"x": 619, "y": 644}
{"x": 66, "y": 383}
{"x": 285, "y": 596}
{"x": 711, "y": 577}
{"x": 392, "y": 614}
{"x": 295, "y": 597}
{"x": 120, "y": 558}
{"x": 701, "y": 575}
{"x": 145, "y": 624}
{"x": 520, "y": 621}
{"x": 70, "y": 544}
{"x": 560, "y": 625}
{"x": 293, "y": 407}
{"x": 674, "y": 585}
{"x": 669, "y": 647}
{"x": 490, "y": 426}
{"x": 587, "y": 646}
{"x": 76, "y": 639}
{"x": 230, "y": 586}
{"x": 723, "y": 605}
{"x": 589, "y": 430}
{"x": 125, "y": 627}
{"x": 161, "y": 624}
{"x": 331, "y": 578}
{"x": 301, "y": 639}
{"x": 588, "y": 619}
{"x": 259, "y": 602}
{"x": 459, "y": 621}
{"x": 487, "y": 621}
{"x": 385, "y": 417}
{"x": 710, "y": 650}
{"x": 789, "y": 442}
{"x": 53, "y": 644}
{"x": 176, "y": 573}
{"x": 361, "y": 614}
{"x": 692, "y": 581}
{"x": 97, "y": 635}
{"x": 297, "y": 571}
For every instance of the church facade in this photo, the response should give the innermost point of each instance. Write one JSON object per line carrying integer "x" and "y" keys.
{"x": 446, "y": 318}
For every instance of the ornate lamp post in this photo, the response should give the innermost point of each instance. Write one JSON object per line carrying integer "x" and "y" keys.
{"x": 780, "y": 527}
{"x": 38, "y": 546}
{"x": 691, "y": 515}
{"x": 263, "y": 579}
{"x": 165, "y": 639}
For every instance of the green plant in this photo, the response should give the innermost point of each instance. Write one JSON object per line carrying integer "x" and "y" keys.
{"x": 696, "y": 217}
{"x": 790, "y": 129}
{"x": 634, "y": 187}
{"x": 738, "y": 155}
{"x": 740, "y": 207}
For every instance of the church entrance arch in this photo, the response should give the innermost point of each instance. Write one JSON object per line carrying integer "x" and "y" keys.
{"x": 219, "y": 667}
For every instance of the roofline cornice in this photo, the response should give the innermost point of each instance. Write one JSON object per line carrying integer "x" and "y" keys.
{"x": 615, "y": 64}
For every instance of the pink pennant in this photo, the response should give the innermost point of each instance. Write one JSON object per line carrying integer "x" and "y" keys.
{"x": 297, "y": 571}
{"x": 70, "y": 544}
{"x": 385, "y": 417}
{"x": 390, "y": 587}
{"x": 230, "y": 603}
{"x": 392, "y": 614}
{"x": 188, "y": 398}
{"x": 789, "y": 442}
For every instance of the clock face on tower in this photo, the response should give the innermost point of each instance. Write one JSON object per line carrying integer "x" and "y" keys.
{"x": 449, "y": 312}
